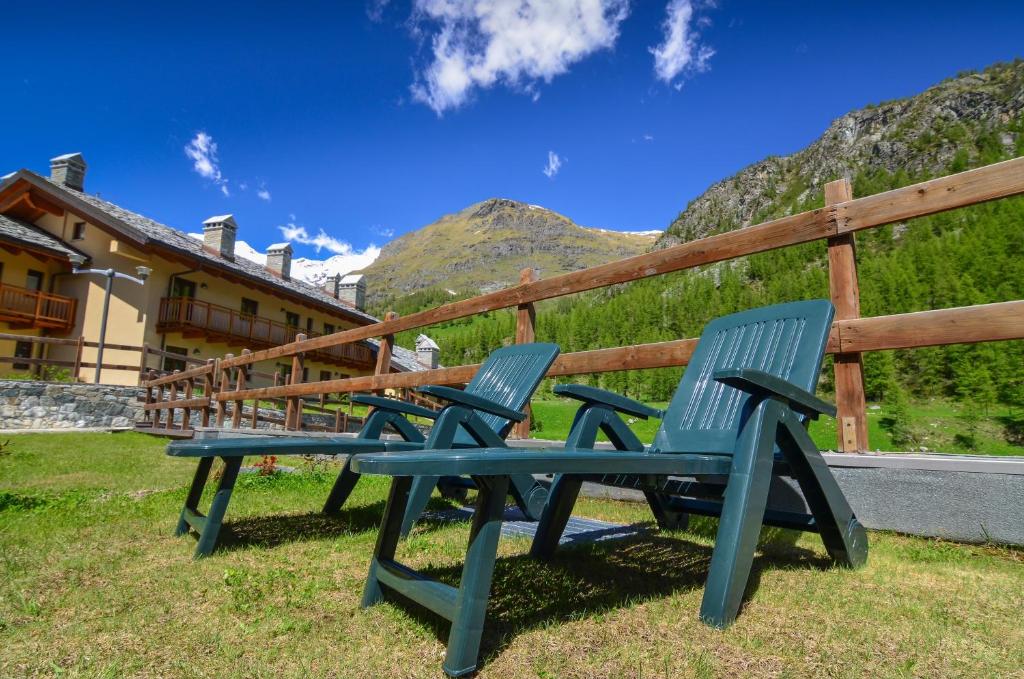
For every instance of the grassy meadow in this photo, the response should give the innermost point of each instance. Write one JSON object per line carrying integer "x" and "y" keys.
{"x": 94, "y": 584}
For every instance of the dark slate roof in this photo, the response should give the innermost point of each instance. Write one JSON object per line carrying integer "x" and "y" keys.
{"x": 403, "y": 358}
{"x": 145, "y": 228}
{"x": 12, "y": 229}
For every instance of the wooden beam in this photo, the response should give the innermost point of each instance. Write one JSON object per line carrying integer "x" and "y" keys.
{"x": 960, "y": 325}
{"x": 999, "y": 180}
{"x": 800, "y": 228}
{"x": 526, "y": 332}
{"x": 852, "y": 430}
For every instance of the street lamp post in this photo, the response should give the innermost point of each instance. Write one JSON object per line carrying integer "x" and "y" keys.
{"x": 143, "y": 273}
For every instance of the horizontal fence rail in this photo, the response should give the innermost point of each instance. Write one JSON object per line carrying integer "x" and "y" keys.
{"x": 1000, "y": 180}
{"x": 851, "y": 335}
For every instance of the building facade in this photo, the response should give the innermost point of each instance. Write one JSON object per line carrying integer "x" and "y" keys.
{"x": 199, "y": 300}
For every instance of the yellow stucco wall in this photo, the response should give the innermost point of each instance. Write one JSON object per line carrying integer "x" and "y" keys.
{"x": 134, "y": 309}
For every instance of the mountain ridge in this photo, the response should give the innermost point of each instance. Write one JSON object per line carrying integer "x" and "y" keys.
{"x": 484, "y": 246}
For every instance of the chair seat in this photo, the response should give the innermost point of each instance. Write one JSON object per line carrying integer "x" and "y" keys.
{"x": 274, "y": 445}
{"x": 507, "y": 461}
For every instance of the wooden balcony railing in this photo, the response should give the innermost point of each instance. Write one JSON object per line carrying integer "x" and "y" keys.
{"x": 213, "y": 321}
{"x": 34, "y": 309}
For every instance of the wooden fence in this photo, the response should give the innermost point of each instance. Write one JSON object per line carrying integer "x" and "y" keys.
{"x": 851, "y": 335}
{"x": 76, "y": 364}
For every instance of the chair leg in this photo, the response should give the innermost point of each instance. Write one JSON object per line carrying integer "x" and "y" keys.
{"x": 561, "y": 500}
{"x": 477, "y": 573}
{"x": 667, "y": 518}
{"x": 342, "y": 488}
{"x": 746, "y": 497}
{"x": 845, "y": 538}
{"x": 215, "y": 518}
{"x": 419, "y": 496}
{"x": 195, "y": 492}
{"x": 387, "y": 539}
{"x": 529, "y": 494}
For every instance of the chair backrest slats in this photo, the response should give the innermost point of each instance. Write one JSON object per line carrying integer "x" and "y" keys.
{"x": 786, "y": 340}
{"x": 509, "y": 376}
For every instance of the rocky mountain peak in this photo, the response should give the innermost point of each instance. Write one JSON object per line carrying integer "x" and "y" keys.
{"x": 918, "y": 135}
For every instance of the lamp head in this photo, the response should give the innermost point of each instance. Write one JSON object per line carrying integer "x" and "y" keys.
{"x": 77, "y": 261}
{"x": 143, "y": 272}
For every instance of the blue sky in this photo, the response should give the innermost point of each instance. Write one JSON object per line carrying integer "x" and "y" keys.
{"x": 366, "y": 119}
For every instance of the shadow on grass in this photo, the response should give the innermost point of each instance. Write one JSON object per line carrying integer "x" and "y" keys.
{"x": 588, "y": 580}
{"x": 277, "y": 530}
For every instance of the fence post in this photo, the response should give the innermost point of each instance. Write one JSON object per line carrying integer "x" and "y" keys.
{"x": 852, "y": 429}
{"x": 172, "y": 396}
{"x": 148, "y": 414}
{"x": 78, "y": 358}
{"x": 208, "y": 390}
{"x": 526, "y": 322}
{"x": 225, "y": 384}
{"x": 293, "y": 409}
{"x": 143, "y": 359}
{"x": 186, "y": 418}
{"x": 236, "y": 412}
{"x": 387, "y": 347}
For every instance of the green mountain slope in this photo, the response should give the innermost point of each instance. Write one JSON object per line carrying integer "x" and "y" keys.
{"x": 967, "y": 256}
{"x": 484, "y": 247}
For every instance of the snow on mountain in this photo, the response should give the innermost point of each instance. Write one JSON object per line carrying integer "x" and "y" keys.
{"x": 307, "y": 269}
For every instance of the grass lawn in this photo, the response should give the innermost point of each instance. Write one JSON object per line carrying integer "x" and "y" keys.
{"x": 939, "y": 420}
{"x": 95, "y": 585}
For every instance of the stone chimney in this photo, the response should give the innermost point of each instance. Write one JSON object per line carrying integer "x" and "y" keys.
{"x": 352, "y": 290}
{"x": 219, "y": 235}
{"x": 427, "y": 352}
{"x": 331, "y": 285}
{"x": 279, "y": 260}
{"x": 68, "y": 170}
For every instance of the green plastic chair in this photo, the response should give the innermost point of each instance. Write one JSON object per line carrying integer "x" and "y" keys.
{"x": 739, "y": 415}
{"x": 480, "y": 416}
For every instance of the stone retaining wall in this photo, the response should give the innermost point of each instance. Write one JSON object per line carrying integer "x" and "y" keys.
{"x": 56, "y": 405}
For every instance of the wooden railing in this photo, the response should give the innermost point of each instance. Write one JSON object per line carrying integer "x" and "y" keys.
{"x": 142, "y": 367}
{"x": 851, "y": 335}
{"x": 186, "y": 314}
{"x": 193, "y": 392}
{"x": 36, "y": 309}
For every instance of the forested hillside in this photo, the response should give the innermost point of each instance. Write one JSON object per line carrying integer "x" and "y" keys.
{"x": 968, "y": 256}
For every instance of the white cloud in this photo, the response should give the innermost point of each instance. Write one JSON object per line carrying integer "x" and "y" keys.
{"x": 202, "y": 150}
{"x": 479, "y": 43}
{"x": 321, "y": 241}
{"x": 648, "y": 137}
{"x": 681, "y": 51}
{"x": 383, "y": 231}
{"x": 553, "y": 166}
{"x": 263, "y": 193}
{"x": 375, "y": 9}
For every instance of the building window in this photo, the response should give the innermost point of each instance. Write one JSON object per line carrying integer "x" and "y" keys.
{"x": 309, "y": 325}
{"x": 250, "y": 307}
{"x": 183, "y": 288}
{"x": 22, "y": 350}
{"x": 328, "y": 329}
{"x": 78, "y": 231}
{"x": 172, "y": 364}
{"x": 325, "y": 375}
{"x": 291, "y": 319}
{"x": 34, "y": 280}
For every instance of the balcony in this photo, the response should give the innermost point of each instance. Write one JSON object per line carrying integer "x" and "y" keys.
{"x": 213, "y": 322}
{"x": 24, "y": 308}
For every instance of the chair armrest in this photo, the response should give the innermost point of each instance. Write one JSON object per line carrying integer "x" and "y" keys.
{"x": 471, "y": 401}
{"x": 622, "y": 404}
{"x": 757, "y": 381}
{"x": 394, "y": 405}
